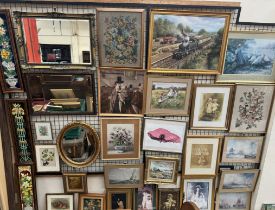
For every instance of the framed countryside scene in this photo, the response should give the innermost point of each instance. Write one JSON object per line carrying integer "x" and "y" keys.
{"x": 43, "y": 131}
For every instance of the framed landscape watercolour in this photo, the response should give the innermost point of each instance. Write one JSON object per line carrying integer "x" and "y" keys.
{"x": 251, "y": 108}
{"x": 47, "y": 158}
{"x": 238, "y": 180}
{"x": 161, "y": 170}
{"x": 163, "y": 135}
{"x": 201, "y": 155}
{"x": 75, "y": 182}
{"x": 168, "y": 96}
{"x": 235, "y": 200}
{"x": 119, "y": 199}
{"x": 145, "y": 197}
{"x": 187, "y": 41}
{"x": 123, "y": 176}
{"x": 169, "y": 199}
{"x": 54, "y": 201}
{"x": 120, "y": 138}
{"x": 249, "y": 58}
{"x": 121, "y": 92}
{"x": 43, "y": 131}
{"x": 120, "y": 37}
{"x": 242, "y": 149}
{"x": 97, "y": 201}
{"x": 211, "y": 105}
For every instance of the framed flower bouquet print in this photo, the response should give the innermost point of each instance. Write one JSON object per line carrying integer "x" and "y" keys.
{"x": 47, "y": 158}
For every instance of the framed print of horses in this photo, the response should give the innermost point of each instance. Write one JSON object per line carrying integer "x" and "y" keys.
{"x": 187, "y": 41}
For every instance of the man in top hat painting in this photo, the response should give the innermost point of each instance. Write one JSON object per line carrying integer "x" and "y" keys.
{"x": 118, "y": 96}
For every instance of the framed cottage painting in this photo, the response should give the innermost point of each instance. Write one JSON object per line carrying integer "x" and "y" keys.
{"x": 43, "y": 131}
{"x": 120, "y": 37}
{"x": 249, "y": 58}
{"x": 187, "y": 41}
{"x": 47, "y": 158}
{"x": 59, "y": 201}
{"x": 251, "y": 108}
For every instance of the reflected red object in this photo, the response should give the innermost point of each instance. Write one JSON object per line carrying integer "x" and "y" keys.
{"x": 164, "y": 135}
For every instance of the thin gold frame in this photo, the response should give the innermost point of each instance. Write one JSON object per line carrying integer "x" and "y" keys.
{"x": 128, "y": 192}
{"x": 102, "y": 197}
{"x": 66, "y": 184}
{"x": 247, "y": 202}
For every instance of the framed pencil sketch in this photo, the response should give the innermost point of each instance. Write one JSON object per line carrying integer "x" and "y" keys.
{"x": 96, "y": 201}
{"x": 146, "y": 197}
{"x": 168, "y": 96}
{"x": 201, "y": 155}
{"x": 43, "y": 131}
{"x": 55, "y": 201}
{"x": 233, "y": 200}
{"x": 119, "y": 199}
{"x": 251, "y": 108}
{"x": 211, "y": 105}
{"x": 120, "y": 37}
{"x": 123, "y": 176}
{"x": 238, "y": 180}
{"x": 47, "y": 158}
{"x": 169, "y": 199}
{"x": 164, "y": 135}
{"x": 75, "y": 182}
{"x": 187, "y": 41}
{"x": 120, "y": 138}
{"x": 242, "y": 149}
{"x": 249, "y": 58}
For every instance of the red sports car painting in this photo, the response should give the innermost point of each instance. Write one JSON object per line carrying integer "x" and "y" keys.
{"x": 163, "y": 135}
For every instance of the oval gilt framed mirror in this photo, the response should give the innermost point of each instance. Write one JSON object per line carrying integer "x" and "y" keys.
{"x": 78, "y": 144}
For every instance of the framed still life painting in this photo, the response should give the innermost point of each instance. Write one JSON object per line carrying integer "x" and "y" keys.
{"x": 235, "y": 200}
{"x": 119, "y": 199}
{"x": 75, "y": 182}
{"x": 59, "y": 201}
{"x": 92, "y": 201}
{"x": 211, "y": 105}
{"x": 120, "y": 37}
{"x": 251, "y": 108}
{"x": 187, "y": 41}
{"x": 47, "y": 158}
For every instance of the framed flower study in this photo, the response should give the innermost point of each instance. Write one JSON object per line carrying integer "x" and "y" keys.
{"x": 47, "y": 158}
{"x": 43, "y": 131}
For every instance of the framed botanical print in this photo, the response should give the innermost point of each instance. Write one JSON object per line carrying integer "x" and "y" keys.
{"x": 251, "y": 108}
{"x": 161, "y": 170}
{"x": 169, "y": 199}
{"x": 119, "y": 199}
{"x": 123, "y": 176}
{"x": 146, "y": 197}
{"x": 187, "y": 41}
{"x": 43, "y": 131}
{"x": 233, "y": 200}
{"x": 120, "y": 138}
{"x": 59, "y": 201}
{"x": 120, "y": 37}
{"x": 238, "y": 180}
{"x": 201, "y": 155}
{"x": 164, "y": 135}
{"x": 249, "y": 58}
{"x": 75, "y": 182}
{"x": 242, "y": 149}
{"x": 121, "y": 92}
{"x": 96, "y": 201}
{"x": 168, "y": 96}
{"x": 211, "y": 105}
{"x": 47, "y": 158}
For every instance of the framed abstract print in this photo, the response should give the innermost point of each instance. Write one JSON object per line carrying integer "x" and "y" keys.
{"x": 47, "y": 158}
{"x": 120, "y": 138}
{"x": 238, "y": 180}
{"x": 168, "y": 96}
{"x": 87, "y": 201}
{"x": 242, "y": 149}
{"x": 120, "y": 37}
{"x": 164, "y": 135}
{"x": 75, "y": 182}
{"x": 201, "y": 155}
{"x": 43, "y": 131}
{"x": 233, "y": 200}
{"x": 169, "y": 199}
{"x": 211, "y": 105}
{"x": 187, "y": 41}
{"x": 145, "y": 197}
{"x": 123, "y": 176}
{"x": 121, "y": 92}
{"x": 10, "y": 75}
{"x": 119, "y": 199}
{"x": 55, "y": 201}
{"x": 251, "y": 108}
{"x": 249, "y": 58}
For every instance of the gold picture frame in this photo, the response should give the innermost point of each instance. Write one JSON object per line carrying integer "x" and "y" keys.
{"x": 168, "y": 197}
{"x": 239, "y": 196}
{"x": 92, "y": 197}
{"x": 120, "y": 198}
{"x": 75, "y": 182}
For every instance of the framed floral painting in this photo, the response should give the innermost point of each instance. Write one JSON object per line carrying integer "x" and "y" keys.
{"x": 251, "y": 108}
{"x": 92, "y": 201}
{"x": 47, "y": 158}
{"x": 43, "y": 131}
{"x": 120, "y": 37}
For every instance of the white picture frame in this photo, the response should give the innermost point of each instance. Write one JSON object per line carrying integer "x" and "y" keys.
{"x": 43, "y": 131}
{"x": 68, "y": 200}
{"x": 50, "y": 160}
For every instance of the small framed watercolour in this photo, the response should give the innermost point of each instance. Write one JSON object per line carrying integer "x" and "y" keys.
{"x": 161, "y": 170}
{"x": 164, "y": 135}
{"x": 249, "y": 58}
{"x": 169, "y": 199}
{"x": 146, "y": 197}
{"x": 251, "y": 108}
{"x": 238, "y": 180}
{"x": 91, "y": 201}
{"x": 168, "y": 96}
{"x": 47, "y": 158}
{"x": 60, "y": 201}
{"x": 236, "y": 200}
{"x": 75, "y": 182}
{"x": 242, "y": 149}
{"x": 189, "y": 41}
{"x": 201, "y": 155}
{"x": 199, "y": 190}
{"x": 43, "y": 131}
{"x": 123, "y": 176}
{"x": 120, "y": 37}
{"x": 119, "y": 199}
{"x": 211, "y": 105}
{"x": 120, "y": 138}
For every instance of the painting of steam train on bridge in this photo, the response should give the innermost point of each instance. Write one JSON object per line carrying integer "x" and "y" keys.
{"x": 187, "y": 42}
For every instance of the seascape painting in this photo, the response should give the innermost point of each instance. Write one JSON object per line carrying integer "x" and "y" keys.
{"x": 146, "y": 197}
{"x": 122, "y": 176}
{"x": 92, "y": 203}
{"x": 233, "y": 201}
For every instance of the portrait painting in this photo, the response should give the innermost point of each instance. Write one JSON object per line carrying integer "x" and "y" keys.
{"x": 146, "y": 197}
{"x": 75, "y": 182}
{"x": 119, "y": 199}
{"x": 242, "y": 149}
{"x": 187, "y": 41}
{"x": 163, "y": 135}
{"x": 169, "y": 199}
{"x": 47, "y": 158}
{"x": 233, "y": 201}
{"x": 43, "y": 131}
{"x": 251, "y": 108}
{"x": 210, "y": 107}
{"x": 91, "y": 202}
{"x": 120, "y": 34}
{"x": 238, "y": 180}
{"x": 60, "y": 201}
{"x": 121, "y": 92}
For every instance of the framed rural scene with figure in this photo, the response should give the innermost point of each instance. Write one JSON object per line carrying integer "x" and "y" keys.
{"x": 187, "y": 41}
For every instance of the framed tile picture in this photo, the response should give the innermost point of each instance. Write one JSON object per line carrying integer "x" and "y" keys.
{"x": 47, "y": 158}
{"x": 43, "y": 131}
